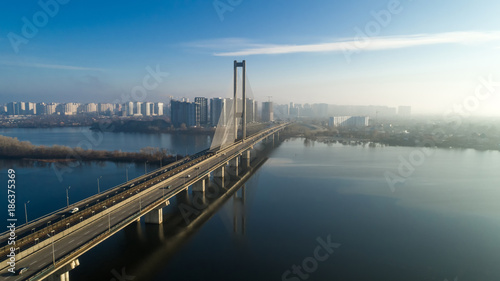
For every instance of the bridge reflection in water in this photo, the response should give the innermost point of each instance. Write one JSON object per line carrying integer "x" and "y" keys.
{"x": 149, "y": 247}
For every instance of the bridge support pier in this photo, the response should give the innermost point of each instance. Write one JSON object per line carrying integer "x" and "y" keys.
{"x": 63, "y": 273}
{"x": 200, "y": 185}
{"x": 246, "y": 159}
{"x": 154, "y": 216}
{"x": 233, "y": 164}
{"x": 218, "y": 175}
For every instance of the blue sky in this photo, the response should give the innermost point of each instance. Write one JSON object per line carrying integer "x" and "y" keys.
{"x": 429, "y": 54}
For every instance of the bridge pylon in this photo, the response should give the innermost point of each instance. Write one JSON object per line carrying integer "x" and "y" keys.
{"x": 241, "y": 64}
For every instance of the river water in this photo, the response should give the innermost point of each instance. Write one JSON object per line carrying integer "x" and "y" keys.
{"x": 312, "y": 212}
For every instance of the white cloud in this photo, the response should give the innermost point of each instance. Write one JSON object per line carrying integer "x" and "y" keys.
{"x": 354, "y": 44}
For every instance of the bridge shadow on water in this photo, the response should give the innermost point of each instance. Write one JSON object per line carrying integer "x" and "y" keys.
{"x": 141, "y": 251}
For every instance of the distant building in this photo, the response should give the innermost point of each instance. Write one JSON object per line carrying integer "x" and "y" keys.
{"x": 281, "y": 111}
{"x": 41, "y": 108}
{"x": 90, "y": 108}
{"x": 251, "y": 110}
{"x": 217, "y": 111}
{"x": 203, "y": 107}
{"x": 267, "y": 111}
{"x": 404, "y": 111}
{"x": 158, "y": 108}
{"x": 70, "y": 108}
{"x": 320, "y": 109}
{"x": 51, "y": 108}
{"x": 106, "y": 108}
{"x": 129, "y": 108}
{"x": 295, "y": 110}
{"x": 27, "y": 108}
{"x": 13, "y": 108}
{"x": 349, "y": 121}
{"x": 187, "y": 113}
{"x": 152, "y": 108}
{"x": 146, "y": 109}
{"x": 137, "y": 108}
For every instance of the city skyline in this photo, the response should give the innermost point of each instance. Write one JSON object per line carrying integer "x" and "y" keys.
{"x": 362, "y": 53}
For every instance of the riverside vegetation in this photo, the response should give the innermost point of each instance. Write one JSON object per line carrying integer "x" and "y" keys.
{"x": 12, "y": 148}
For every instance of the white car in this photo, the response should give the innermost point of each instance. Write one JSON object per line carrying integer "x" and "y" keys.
{"x": 74, "y": 210}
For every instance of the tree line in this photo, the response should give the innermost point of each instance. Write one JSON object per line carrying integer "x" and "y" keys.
{"x": 12, "y": 148}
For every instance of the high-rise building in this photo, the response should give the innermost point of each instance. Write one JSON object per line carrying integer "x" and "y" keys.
{"x": 106, "y": 108}
{"x": 320, "y": 109}
{"x": 145, "y": 109}
{"x": 203, "y": 107}
{"x": 217, "y": 111}
{"x": 251, "y": 110}
{"x": 129, "y": 107}
{"x": 41, "y": 108}
{"x": 28, "y": 108}
{"x": 158, "y": 108}
{"x": 187, "y": 113}
{"x": 267, "y": 111}
{"x": 137, "y": 108}
{"x": 90, "y": 108}
{"x": 13, "y": 108}
{"x": 349, "y": 121}
{"x": 70, "y": 108}
{"x": 152, "y": 108}
{"x": 51, "y": 108}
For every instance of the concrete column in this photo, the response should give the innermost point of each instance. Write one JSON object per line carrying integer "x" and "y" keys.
{"x": 63, "y": 273}
{"x": 154, "y": 216}
{"x": 246, "y": 159}
{"x": 218, "y": 175}
{"x": 234, "y": 163}
{"x": 200, "y": 185}
{"x": 65, "y": 276}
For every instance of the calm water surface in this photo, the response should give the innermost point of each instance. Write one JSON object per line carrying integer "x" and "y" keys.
{"x": 442, "y": 222}
{"x": 82, "y": 136}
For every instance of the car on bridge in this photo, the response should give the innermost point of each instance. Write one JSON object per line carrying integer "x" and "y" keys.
{"x": 74, "y": 210}
{"x": 22, "y": 270}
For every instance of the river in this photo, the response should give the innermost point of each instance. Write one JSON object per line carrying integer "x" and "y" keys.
{"x": 312, "y": 212}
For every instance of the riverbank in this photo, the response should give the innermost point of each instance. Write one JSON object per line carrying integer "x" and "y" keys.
{"x": 378, "y": 136}
{"x": 12, "y": 148}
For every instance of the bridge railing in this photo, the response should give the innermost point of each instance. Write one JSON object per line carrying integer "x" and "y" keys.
{"x": 105, "y": 234}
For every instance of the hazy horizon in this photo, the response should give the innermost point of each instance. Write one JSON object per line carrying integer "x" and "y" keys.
{"x": 436, "y": 59}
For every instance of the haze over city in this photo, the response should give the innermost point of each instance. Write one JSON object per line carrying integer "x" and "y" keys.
{"x": 364, "y": 53}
